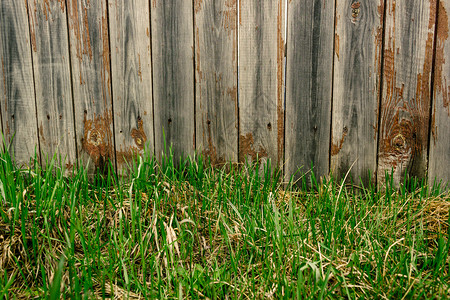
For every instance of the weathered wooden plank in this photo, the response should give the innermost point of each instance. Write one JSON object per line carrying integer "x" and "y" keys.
{"x": 440, "y": 126}
{"x": 173, "y": 75}
{"x": 309, "y": 85}
{"x": 261, "y": 54}
{"x": 216, "y": 79}
{"x": 131, "y": 78}
{"x": 405, "y": 107}
{"x": 89, "y": 49}
{"x": 356, "y": 90}
{"x": 48, "y": 28}
{"x": 17, "y": 98}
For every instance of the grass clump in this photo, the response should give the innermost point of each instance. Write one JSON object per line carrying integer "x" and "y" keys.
{"x": 189, "y": 230}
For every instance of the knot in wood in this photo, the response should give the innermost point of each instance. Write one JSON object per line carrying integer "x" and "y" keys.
{"x": 355, "y": 10}
{"x": 95, "y": 137}
{"x": 399, "y": 141}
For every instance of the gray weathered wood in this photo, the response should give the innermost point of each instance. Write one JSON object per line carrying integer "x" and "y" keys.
{"x": 309, "y": 85}
{"x": 17, "y": 99}
{"x": 89, "y": 49}
{"x": 440, "y": 126}
{"x": 216, "y": 79}
{"x": 48, "y": 28}
{"x": 131, "y": 78}
{"x": 173, "y": 75}
{"x": 356, "y": 89}
{"x": 261, "y": 97}
{"x": 405, "y": 107}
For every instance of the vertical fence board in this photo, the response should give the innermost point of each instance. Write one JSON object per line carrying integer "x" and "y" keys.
{"x": 405, "y": 107}
{"x": 260, "y": 84}
{"x": 173, "y": 79}
{"x": 48, "y": 28}
{"x": 309, "y": 85}
{"x": 440, "y": 125}
{"x": 89, "y": 48}
{"x": 131, "y": 78}
{"x": 17, "y": 98}
{"x": 356, "y": 90}
{"x": 216, "y": 79}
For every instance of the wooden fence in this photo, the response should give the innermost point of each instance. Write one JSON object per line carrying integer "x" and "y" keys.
{"x": 346, "y": 82}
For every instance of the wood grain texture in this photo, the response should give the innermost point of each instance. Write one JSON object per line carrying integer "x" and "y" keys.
{"x": 89, "y": 48}
{"x": 405, "y": 107}
{"x": 131, "y": 78}
{"x": 440, "y": 126}
{"x": 309, "y": 85}
{"x": 216, "y": 79}
{"x": 49, "y": 35}
{"x": 356, "y": 89}
{"x": 17, "y": 98}
{"x": 261, "y": 97}
{"x": 173, "y": 75}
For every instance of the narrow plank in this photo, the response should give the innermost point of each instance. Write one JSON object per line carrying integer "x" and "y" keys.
{"x": 405, "y": 106}
{"x": 216, "y": 79}
{"x": 17, "y": 98}
{"x": 173, "y": 76}
{"x": 48, "y": 28}
{"x": 356, "y": 89}
{"x": 309, "y": 85}
{"x": 131, "y": 78}
{"x": 439, "y": 140}
{"x": 89, "y": 49}
{"x": 261, "y": 92}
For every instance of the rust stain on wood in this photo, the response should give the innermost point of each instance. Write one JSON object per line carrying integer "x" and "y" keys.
{"x": 82, "y": 37}
{"x": 139, "y": 69}
{"x": 232, "y": 92}
{"x": 97, "y": 138}
{"x": 197, "y": 5}
{"x": 106, "y": 78}
{"x": 246, "y": 148}
{"x": 211, "y": 150}
{"x": 229, "y": 16}
{"x": 404, "y": 126}
{"x": 199, "y": 76}
{"x": 440, "y": 78}
{"x": 335, "y": 148}
{"x": 139, "y": 136}
{"x": 280, "y": 63}
{"x": 32, "y": 24}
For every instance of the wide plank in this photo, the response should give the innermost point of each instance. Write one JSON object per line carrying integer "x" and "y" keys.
{"x": 131, "y": 79}
{"x": 17, "y": 98}
{"x": 405, "y": 106}
{"x": 90, "y": 59}
{"x": 438, "y": 169}
{"x": 216, "y": 79}
{"x": 173, "y": 76}
{"x": 356, "y": 89}
{"x": 261, "y": 97}
{"x": 48, "y": 28}
{"x": 309, "y": 86}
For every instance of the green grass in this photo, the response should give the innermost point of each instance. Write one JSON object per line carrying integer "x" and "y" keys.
{"x": 194, "y": 231}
